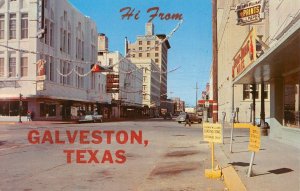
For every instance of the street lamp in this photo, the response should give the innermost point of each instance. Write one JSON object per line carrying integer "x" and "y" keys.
{"x": 20, "y": 108}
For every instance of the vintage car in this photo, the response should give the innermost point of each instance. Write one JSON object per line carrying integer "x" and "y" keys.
{"x": 193, "y": 118}
{"x": 90, "y": 116}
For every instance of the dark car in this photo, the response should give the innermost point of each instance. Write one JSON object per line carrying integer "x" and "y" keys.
{"x": 193, "y": 118}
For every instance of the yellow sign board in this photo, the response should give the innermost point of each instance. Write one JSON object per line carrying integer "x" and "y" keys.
{"x": 254, "y": 139}
{"x": 242, "y": 125}
{"x": 212, "y": 132}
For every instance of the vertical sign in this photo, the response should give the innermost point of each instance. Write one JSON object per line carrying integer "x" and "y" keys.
{"x": 254, "y": 139}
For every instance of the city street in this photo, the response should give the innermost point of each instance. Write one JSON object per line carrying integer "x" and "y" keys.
{"x": 174, "y": 159}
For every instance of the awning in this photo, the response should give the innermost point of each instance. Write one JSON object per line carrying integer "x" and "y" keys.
{"x": 280, "y": 60}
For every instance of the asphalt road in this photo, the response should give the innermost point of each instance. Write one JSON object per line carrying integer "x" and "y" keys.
{"x": 161, "y": 156}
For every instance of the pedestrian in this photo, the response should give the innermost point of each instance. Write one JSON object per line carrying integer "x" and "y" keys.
{"x": 29, "y": 116}
{"x": 187, "y": 120}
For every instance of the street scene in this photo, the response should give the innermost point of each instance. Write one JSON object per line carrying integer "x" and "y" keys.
{"x": 156, "y": 96}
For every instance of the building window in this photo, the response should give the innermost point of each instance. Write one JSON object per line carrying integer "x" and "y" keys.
{"x": 110, "y": 61}
{"x": 51, "y": 69}
{"x": 247, "y": 94}
{"x": 140, "y": 48}
{"x": 148, "y": 42}
{"x": 69, "y": 43}
{"x": 12, "y": 67}
{"x": 266, "y": 92}
{"x": 12, "y": 26}
{"x": 2, "y": 26}
{"x": 156, "y": 48}
{"x": 51, "y": 34}
{"x": 145, "y": 97}
{"x": 156, "y": 42}
{"x": 140, "y": 42}
{"x": 156, "y": 54}
{"x": 148, "y": 54}
{"x": 1, "y": 67}
{"x": 24, "y": 25}
{"x": 140, "y": 54}
{"x": 82, "y": 52}
{"x": 144, "y": 87}
{"x": 156, "y": 60}
{"x": 46, "y": 40}
{"x": 24, "y": 66}
{"x": 133, "y": 55}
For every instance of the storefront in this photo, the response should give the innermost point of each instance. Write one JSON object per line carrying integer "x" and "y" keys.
{"x": 280, "y": 67}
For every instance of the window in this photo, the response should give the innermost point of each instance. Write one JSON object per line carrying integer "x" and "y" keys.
{"x": 140, "y": 42}
{"x": 156, "y": 60}
{"x": 1, "y": 67}
{"x": 12, "y": 67}
{"x": 156, "y": 42}
{"x": 93, "y": 81}
{"x": 133, "y": 55}
{"x": 156, "y": 54}
{"x": 144, "y": 78}
{"x": 246, "y": 92}
{"x": 12, "y": 26}
{"x": 61, "y": 39}
{"x": 46, "y": 40}
{"x": 140, "y": 54}
{"x": 82, "y": 52}
{"x": 110, "y": 61}
{"x": 156, "y": 48}
{"x": 65, "y": 41}
{"x": 145, "y": 97}
{"x": 24, "y": 66}
{"x": 148, "y": 42}
{"x": 148, "y": 54}
{"x": 2, "y": 26}
{"x": 69, "y": 43}
{"x": 47, "y": 110}
{"x": 24, "y": 25}
{"x": 140, "y": 48}
{"x": 144, "y": 87}
{"x": 51, "y": 69}
{"x": 266, "y": 92}
{"x": 51, "y": 34}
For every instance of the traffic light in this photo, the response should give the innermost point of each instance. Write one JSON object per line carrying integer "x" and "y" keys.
{"x": 253, "y": 89}
{"x": 206, "y": 97}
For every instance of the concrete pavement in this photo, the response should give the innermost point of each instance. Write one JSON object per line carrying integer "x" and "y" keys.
{"x": 276, "y": 166}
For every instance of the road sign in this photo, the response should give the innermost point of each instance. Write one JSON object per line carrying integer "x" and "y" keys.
{"x": 254, "y": 139}
{"x": 212, "y": 132}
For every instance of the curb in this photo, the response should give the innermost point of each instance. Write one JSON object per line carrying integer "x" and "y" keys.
{"x": 231, "y": 178}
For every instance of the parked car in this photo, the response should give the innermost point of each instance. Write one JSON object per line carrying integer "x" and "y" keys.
{"x": 90, "y": 117}
{"x": 167, "y": 115}
{"x": 193, "y": 118}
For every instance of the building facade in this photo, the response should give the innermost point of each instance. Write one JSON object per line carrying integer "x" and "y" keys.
{"x": 278, "y": 65}
{"x": 128, "y": 100}
{"x": 230, "y": 42}
{"x": 151, "y": 84}
{"x": 149, "y": 46}
{"x": 53, "y": 73}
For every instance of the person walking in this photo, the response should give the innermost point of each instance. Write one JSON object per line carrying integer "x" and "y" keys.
{"x": 187, "y": 120}
{"x": 29, "y": 116}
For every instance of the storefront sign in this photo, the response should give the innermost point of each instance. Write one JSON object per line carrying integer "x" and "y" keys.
{"x": 112, "y": 83}
{"x": 40, "y": 85}
{"x": 212, "y": 132}
{"x": 251, "y": 12}
{"x": 254, "y": 139}
{"x": 41, "y": 70}
{"x": 246, "y": 55}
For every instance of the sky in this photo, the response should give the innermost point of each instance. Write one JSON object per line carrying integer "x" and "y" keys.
{"x": 191, "y": 45}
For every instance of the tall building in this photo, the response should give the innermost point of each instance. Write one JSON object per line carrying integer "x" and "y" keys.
{"x": 51, "y": 69}
{"x": 273, "y": 58}
{"x": 230, "y": 41}
{"x": 127, "y": 99}
{"x": 151, "y": 84}
{"x": 159, "y": 54}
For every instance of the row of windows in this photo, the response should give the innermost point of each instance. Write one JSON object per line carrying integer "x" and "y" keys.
{"x": 148, "y": 42}
{"x": 12, "y": 30}
{"x": 247, "y": 92}
{"x": 12, "y": 67}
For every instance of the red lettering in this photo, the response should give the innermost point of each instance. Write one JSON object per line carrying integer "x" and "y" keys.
{"x": 80, "y": 156}
{"x": 47, "y": 137}
{"x": 93, "y": 157}
{"x": 107, "y": 157}
{"x": 121, "y": 158}
{"x": 57, "y": 140}
{"x": 96, "y": 135}
{"x": 108, "y": 136}
{"x": 70, "y": 137}
{"x": 122, "y": 137}
{"x": 84, "y": 137}
{"x": 136, "y": 137}
{"x": 152, "y": 16}
{"x": 69, "y": 153}
{"x": 35, "y": 139}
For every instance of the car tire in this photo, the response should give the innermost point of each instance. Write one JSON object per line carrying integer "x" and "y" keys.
{"x": 179, "y": 121}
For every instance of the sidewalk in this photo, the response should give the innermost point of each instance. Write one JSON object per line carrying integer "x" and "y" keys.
{"x": 276, "y": 166}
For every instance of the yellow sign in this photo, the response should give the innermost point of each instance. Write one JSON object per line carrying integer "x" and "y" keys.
{"x": 212, "y": 132}
{"x": 254, "y": 139}
{"x": 242, "y": 125}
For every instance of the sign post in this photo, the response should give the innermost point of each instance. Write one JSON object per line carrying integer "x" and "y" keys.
{"x": 212, "y": 133}
{"x": 254, "y": 145}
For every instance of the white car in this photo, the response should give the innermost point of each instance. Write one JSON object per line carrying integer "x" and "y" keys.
{"x": 90, "y": 117}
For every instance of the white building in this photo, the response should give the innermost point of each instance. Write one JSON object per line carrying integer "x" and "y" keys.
{"x": 151, "y": 84}
{"x": 127, "y": 102}
{"x": 68, "y": 47}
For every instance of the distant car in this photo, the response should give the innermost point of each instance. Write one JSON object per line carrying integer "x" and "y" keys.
{"x": 90, "y": 117}
{"x": 193, "y": 118}
{"x": 167, "y": 115}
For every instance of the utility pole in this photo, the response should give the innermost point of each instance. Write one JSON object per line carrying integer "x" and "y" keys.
{"x": 196, "y": 107}
{"x": 215, "y": 61}
{"x": 20, "y": 108}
